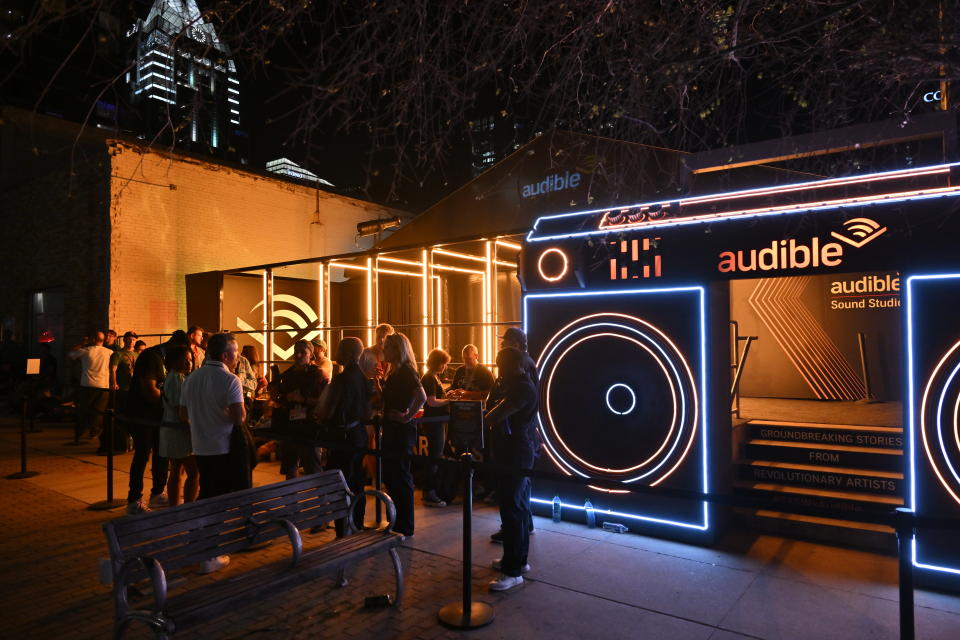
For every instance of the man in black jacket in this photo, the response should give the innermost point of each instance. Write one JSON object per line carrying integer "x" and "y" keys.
{"x": 513, "y": 420}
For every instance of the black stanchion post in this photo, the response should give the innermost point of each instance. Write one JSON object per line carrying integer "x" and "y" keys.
{"x": 109, "y": 503}
{"x": 467, "y": 614}
{"x": 905, "y": 558}
{"x": 378, "y": 468}
{"x": 23, "y": 473}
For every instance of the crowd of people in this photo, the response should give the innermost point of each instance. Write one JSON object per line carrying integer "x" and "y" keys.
{"x": 182, "y": 403}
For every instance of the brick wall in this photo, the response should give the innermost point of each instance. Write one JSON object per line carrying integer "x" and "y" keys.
{"x": 172, "y": 215}
{"x": 54, "y": 228}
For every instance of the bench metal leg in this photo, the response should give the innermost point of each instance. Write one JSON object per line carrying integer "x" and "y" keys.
{"x": 162, "y": 627}
{"x": 342, "y": 578}
{"x": 398, "y": 572}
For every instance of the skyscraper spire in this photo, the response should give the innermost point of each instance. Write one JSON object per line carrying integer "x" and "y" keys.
{"x": 183, "y": 82}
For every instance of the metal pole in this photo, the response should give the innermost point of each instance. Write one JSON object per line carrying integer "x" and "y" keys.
{"x": 378, "y": 471}
{"x": 467, "y": 614}
{"x": 904, "y": 540}
{"x": 110, "y": 502}
{"x": 23, "y": 473}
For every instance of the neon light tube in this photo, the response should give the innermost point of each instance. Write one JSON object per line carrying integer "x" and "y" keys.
{"x": 348, "y": 265}
{"x": 455, "y": 254}
{"x": 370, "y": 310}
{"x": 409, "y": 263}
{"x": 425, "y": 309}
{"x": 443, "y": 267}
{"x": 509, "y": 245}
{"x": 633, "y": 516}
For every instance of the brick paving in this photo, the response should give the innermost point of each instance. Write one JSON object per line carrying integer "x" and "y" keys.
{"x": 584, "y": 584}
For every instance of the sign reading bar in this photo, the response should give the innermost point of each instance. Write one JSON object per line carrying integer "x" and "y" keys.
{"x": 466, "y": 424}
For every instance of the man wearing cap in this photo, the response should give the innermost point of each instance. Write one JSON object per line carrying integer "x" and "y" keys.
{"x": 121, "y": 369}
{"x": 516, "y": 338}
{"x": 321, "y": 360}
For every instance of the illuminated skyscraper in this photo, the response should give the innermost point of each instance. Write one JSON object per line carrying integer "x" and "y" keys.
{"x": 183, "y": 82}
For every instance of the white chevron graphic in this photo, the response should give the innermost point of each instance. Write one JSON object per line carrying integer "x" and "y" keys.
{"x": 776, "y": 301}
{"x": 302, "y": 316}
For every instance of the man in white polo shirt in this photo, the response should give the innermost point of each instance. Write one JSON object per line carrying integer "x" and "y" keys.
{"x": 94, "y": 386}
{"x": 212, "y": 402}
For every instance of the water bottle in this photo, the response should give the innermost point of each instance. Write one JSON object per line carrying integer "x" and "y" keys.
{"x": 556, "y": 508}
{"x": 591, "y": 515}
{"x": 615, "y": 527}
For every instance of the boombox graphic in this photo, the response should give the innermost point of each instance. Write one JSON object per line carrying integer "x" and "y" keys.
{"x": 622, "y": 378}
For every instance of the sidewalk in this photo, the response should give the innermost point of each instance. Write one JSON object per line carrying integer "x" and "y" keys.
{"x": 584, "y": 583}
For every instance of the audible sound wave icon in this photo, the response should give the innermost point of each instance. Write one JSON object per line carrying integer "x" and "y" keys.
{"x": 859, "y": 232}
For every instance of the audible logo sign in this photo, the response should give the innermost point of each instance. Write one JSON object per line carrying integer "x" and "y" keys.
{"x": 790, "y": 254}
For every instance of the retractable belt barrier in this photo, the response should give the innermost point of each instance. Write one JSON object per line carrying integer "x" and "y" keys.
{"x": 904, "y": 521}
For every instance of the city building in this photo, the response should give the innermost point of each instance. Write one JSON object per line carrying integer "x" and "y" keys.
{"x": 183, "y": 81}
{"x": 287, "y": 167}
{"x": 99, "y": 231}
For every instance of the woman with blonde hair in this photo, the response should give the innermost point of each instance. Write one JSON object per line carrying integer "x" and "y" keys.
{"x": 402, "y": 398}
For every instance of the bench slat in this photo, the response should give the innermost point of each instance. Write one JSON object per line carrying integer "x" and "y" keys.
{"x": 259, "y": 511}
{"x": 198, "y": 605}
{"x": 190, "y": 548}
{"x": 126, "y": 525}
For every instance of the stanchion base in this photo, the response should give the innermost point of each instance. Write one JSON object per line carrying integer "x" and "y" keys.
{"x": 19, "y": 475}
{"x": 480, "y": 615}
{"x": 107, "y": 505}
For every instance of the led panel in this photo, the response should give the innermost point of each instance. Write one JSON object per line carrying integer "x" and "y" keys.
{"x": 933, "y": 366}
{"x": 622, "y": 379}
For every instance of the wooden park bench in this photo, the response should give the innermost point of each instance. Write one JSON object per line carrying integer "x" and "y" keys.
{"x": 145, "y": 547}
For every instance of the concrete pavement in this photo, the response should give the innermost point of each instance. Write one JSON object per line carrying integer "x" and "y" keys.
{"x": 584, "y": 583}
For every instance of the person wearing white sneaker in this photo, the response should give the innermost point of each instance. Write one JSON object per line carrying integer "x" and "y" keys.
{"x": 505, "y": 582}
{"x": 158, "y": 500}
{"x": 512, "y": 419}
{"x": 214, "y": 564}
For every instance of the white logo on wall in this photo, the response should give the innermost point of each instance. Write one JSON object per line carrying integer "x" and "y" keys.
{"x": 299, "y": 323}
{"x": 859, "y": 231}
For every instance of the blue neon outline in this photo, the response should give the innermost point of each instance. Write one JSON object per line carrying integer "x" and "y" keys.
{"x": 676, "y": 373}
{"x": 911, "y": 394}
{"x": 746, "y": 216}
{"x": 703, "y": 392}
{"x": 532, "y": 237}
{"x": 739, "y": 192}
{"x": 633, "y": 399}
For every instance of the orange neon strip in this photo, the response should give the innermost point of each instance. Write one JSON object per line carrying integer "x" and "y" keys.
{"x": 348, "y": 265}
{"x": 456, "y": 254}
{"x": 782, "y": 208}
{"x": 509, "y": 245}
{"x": 849, "y": 180}
{"x": 443, "y": 267}
{"x": 409, "y": 263}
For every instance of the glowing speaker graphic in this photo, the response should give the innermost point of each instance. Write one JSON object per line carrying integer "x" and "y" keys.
{"x": 621, "y": 398}
{"x": 644, "y": 415}
{"x": 933, "y": 363}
